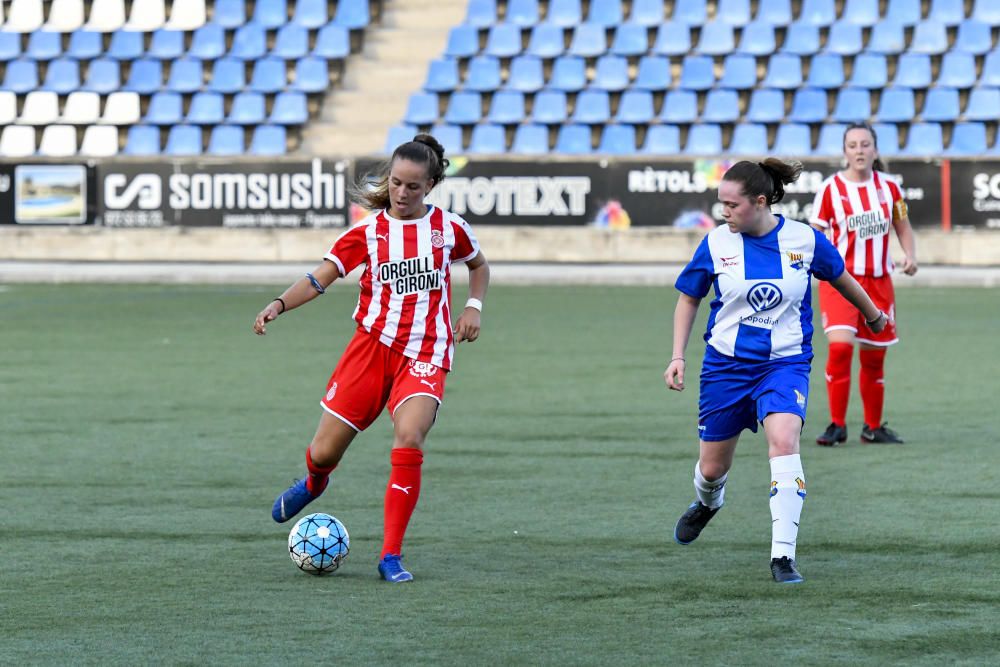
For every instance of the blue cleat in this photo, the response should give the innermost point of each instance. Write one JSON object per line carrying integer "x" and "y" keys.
{"x": 391, "y": 569}
{"x": 291, "y": 502}
{"x": 784, "y": 571}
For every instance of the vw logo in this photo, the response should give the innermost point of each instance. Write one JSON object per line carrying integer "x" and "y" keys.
{"x": 764, "y": 296}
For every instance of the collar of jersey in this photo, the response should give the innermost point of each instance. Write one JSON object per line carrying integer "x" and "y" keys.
{"x": 430, "y": 209}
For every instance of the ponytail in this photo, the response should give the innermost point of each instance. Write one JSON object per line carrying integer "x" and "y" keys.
{"x": 423, "y": 149}
{"x": 767, "y": 178}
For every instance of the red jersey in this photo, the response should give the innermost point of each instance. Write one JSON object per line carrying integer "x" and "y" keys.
{"x": 406, "y": 284}
{"x": 858, "y": 217}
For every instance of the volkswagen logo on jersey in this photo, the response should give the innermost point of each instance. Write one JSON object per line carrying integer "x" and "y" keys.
{"x": 764, "y": 296}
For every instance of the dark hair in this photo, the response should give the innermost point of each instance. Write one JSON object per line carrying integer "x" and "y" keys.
{"x": 424, "y": 149}
{"x": 767, "y": 178}
{"x": 878, "y": 165}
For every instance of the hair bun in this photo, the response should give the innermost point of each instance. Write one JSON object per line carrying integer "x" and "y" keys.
{"x": 432, "y": 143}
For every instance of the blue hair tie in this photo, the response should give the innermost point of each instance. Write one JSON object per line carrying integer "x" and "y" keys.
{"x": 315, "y": 283}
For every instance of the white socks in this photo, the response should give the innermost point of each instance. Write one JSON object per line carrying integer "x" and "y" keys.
{"x": 710, "y": 494}
{"x": 788, "y": 490}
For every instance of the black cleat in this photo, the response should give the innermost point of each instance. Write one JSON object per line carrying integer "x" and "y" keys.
{"x": 832, "y": 435}
{"x": 881, "y": 435}
{"x": 784, "y": 572}
{"x": 692, "y": 522}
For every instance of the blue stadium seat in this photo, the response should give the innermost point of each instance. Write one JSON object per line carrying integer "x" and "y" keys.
{"x": 422, "y": 109}
{"x": 733, "y": 12}
{"x": 270, "y": 14}
{"x": 801, "y": 39}
{"x": 775, "y": 12}
{"x": 653, "y": 73}
{"x": 605, "y": 13}
{"x": 929, "y": 37}
{"x": 142, "y": 140}
{"x": 546, "y": 41}
{"x": 268, "y": 140}
{"x": 312, "y": 75}
{"x": 228, "y": 76}
{"x": 569, "y": 74}
{"x": 818, "y": 12}
{"x": 941, "y": 105}
{"x": 983, "y": 104}
{"x": 481, "y": 13}
{"x": 103, "y": 76}
{"x": 673, "y": 38}
{"x": 166, "y": 44}
{"x": 946, "y": 12}
{"x": 831, "y": 139}
{"x": 913, "y": 70}
{"x": 310, "y": 13}
{"x": 464, "y": 108}
{"x": 757, "y": 39}
{"x": 958, "y": 70}
{"x": 530, "y": 140}
{"x": 792, "y": 139}
{"x": 463, "y": 42}
{"x": 450, "y": 137}
{"x": 62, "y": 76}
{"x": 767, "y": 105}
{"x": 186, "y": 75}
{"x": 290, "y": 108}
{"x": 887, "y": 37}
{"x": 906, "y": 12}
{"x": 973, "y": 37}
{"x": 617, "y": 140}
{"x": 247, "y": 109}
{"x": 126, "y": 45}
{"x": 704, "y": 140}
{"x": 844, "y": 39}
{"x": 526, "y": 74}
{"x": 522, "y": 12}
{"x": 647, "y": 13}
{"x": 716, "y": 39}
{"x": 565, "y": 13}
{"x": 589, "y": 41}
{"x": 226, "y": 140}
{"x": 680, "y": 106}
{"x": 442, "y": 75}
{"x": 697, "y": 73}
{"x": 861, "y": 12}
{"x": 887, "y": 138}
{"x": 630, "y": 40}
{"x": 230, "y": 13}
{"x": 635, "y": 106}
{"x": 83, "y": 44}
{"x": 853, "y": 104}
{"x": 503, "y": 41}
{"x": 896, "y": 106}
{"x": 165, "y": 108}
{"x": 43, "y": 45}
{"x": 721, "y": 106}
{"x": 268, "y": 75}
{"x": 748, "y": 139}
{"x": 206, "y": 109}
{"x": 809, "y": 106}
{"x": 183, "y": 140}
{"x": 990, "y": 76}
{"x": 690, "y": 12}
{"x": 291, "y": 42}
{"x": 488, "y": 140}
{"x": 208, "y": 42}
{"x": 592, "y": 107}
{"x": 249, "y": 42}
{"x": 924, "y": 139}
{"x": 986, "y": 11}
{"x": 146, "y": 76}
{"x": 826, "y": 70}
{"x": 21, "y": 75}
{"x": 573, "y": 140}
{"x": 784, "y": 70}
{"x": 870, "y": 71}
{"x": 10, "y": 46}
{"x": 739, "y": 70}
{"x": 662, "y": 140}
{"x": 507, "y": 107}
{"x": 611, "y": 73}
{"x": 333, "y": 42}
{"x": 482, "y": 74}
{"x": 967, "y": 139}
{"x": 353, "y": 14}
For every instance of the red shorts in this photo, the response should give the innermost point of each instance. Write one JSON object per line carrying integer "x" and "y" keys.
{"x": 838, "y": 313}
{"x": 369, "y": 375}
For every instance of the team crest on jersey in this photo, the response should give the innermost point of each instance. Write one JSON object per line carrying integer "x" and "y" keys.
{"x": 422, "y": 369}
{"x": 437, "y": 239}
{"x": 764, "y": 296}
{"x": 795, "y": 260}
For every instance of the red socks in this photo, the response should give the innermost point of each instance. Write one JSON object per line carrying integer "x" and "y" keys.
{"x": 872, "y": 385}
{"x": 318, "y": 476}
{"x": 401, "y": 496}
{"x": 838, "y": 380}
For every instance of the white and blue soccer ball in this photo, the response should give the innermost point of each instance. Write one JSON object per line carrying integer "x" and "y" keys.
{"x": 318, "y": 543}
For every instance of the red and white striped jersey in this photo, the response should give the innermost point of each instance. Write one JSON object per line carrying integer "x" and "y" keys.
{"x": 406, "y": 284}
{"x": 858, "y": 217}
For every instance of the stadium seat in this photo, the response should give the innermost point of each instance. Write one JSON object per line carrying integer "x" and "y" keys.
{"x": 801, "y": 39}
{"x": 721, "y": 106}
{"x": 905, "y": 12}
{"x": 333, "y": 42}
{"x": 81, "y": 108}
{"x": 690, "y": 12}
{"x": 142, "y": 140}
{"x": 929, "y": 37}
{"x": 126, "y": 45}
{"x": 464, "y": 108}
{"x": 24, "y": 16}
{"x": 530, "y": 140}
{"x": 757, "y": 39}
{"x": 549, "y": 107}
{"x": 653, "y": 73}
{"x": 967, "y": 139}
{"x": 662, "y": 140}
{"x": 630, "y": 40}
{"x": 522, "y": 13}
{"x": 817, "y": 12}
{"x": 121, "y": 108}
{"x": 226, "y": 140}
{"x": 973, "y": 37}
{"x": 463, "y": 42}
{"x": 546, "y": 41}
{"x": 946, "y": 12}
{"x": 605, "y": 13}
{"x": 784, "y": 70}
{"x": 617, "y": 140}
{"x": 589, "y": 41}
{"x": 503, "y": 41}
{"x": 269, "y": 140}
{"x": 249, "y": 42}
{"x": 62, "y": 76}
{"x": 145, "y": 77}
{"x": 422, "y": 109}
{"x": 887, "y": 138}
{"x": 941, "y": 105}
{"x": 958, "y": 70}
{"x": 183, "y": 140}
{"x": 41, "y": 107}
{"x": 487, "y": 139}
{"x": 573, "y": 140}
{"x": 896, "y": 106}
{"x": 913, "y": 70}
{"x": 10, "y": 46}
{"x": 481, "y": 13}
{"x": 17, "y": 141}
{"x": 861, "y": 12}
{"x": 792, "y": 139}
{"x": 826, "y": 70}
{"x": 844, "y": 39}
{"x": 398, "y": 135}
{"x": 739, "y": 71}
{"x": 482, "y": 74}
{"x": 291, "y": 42}
{"x": 99, "y": 141}
{"x": 42, "y": 45}
{"x": 569, "y": 74}
{"x": 809, "y": 106}
{"x": 924, "y": 139}
{"x": 983, "y": 104}
{"x": 647, "y": 13}
{"x": 58, "y": 141}
{"x": 853, "y": 104}
{"x": 230, "y": 13}
{"x": 146, "y": 15}
{"x": 248, "y": 109}
{"x": 697, "y": 73}
{"x": 450, "y": 137}
{"x": 775, "y": 12}
{"x": 103, "y": 76}
{"x": 353, "y": 14}
{"x": 442, "y": 76}
{"x": 312, "y": 75}
{"x": 8, "y": 107}
{"x": 64, "y": 16}
{"x": 748, "y": 139}
{"x": 887, "y": 38}
{"x": 166, "y": 44}
{"x": 635, "y": 106}
{"x": 186, "y": 75}
{"x": 565, "y": 13}
{"x": 870, "y": 71}
{"x": 290, "y": 108}
{"x": 680, "y": 106}
{"x": 987, "y": 11}
{"x": 673, "y": 38}
{"x": 105, "y": 16}
{"x": 310, "y": 14}
{"x": 271, "y": 14}
{"x": 189, "y": 15}
{"x": 84, "y": 45}
{"x": 592, "y": 107}
{"x": 717, "y": 38}
{"x": 526, "y": 74}
{"x": 165, "y": 108}
{"x": 611, "y": 73}
{"x": 21, "y": 75}
{"x": 767, "y": 105}
{"x": 206, "y": 109}
{"x": 269, "y": 75}
{"x": 506, "y": 108}
{"x": 831, "y": 140}
{"x": 208, "y": 42}
{"x": 733, "y": 12}
{"x": 990, "y": 76}
{"x": 704, "y": 140}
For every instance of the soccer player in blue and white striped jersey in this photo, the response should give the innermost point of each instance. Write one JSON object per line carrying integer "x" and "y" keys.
{"x": 758, "y": 344}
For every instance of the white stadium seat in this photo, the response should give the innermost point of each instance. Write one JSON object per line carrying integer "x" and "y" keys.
{"x": 186, "y": 15}
{"x": 41, "y": 107}
{"x": 106, "y": 16}
{"x": 65, "y": 16}
{"x": 82, "y": 108}
{"x": 58, "y": 141}
{"x": 17, "y": 141}
{"x": 146, "y": 16}
{"x": 100, "y": 141}
{"x": 121, "y": 108}
{"x": 8, "y": 107}
{"x": 24, "y": 16}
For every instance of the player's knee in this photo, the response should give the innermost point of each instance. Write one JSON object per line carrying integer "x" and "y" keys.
{"x": 782, "y": 446}
{"x": 712, "y": 470}
{"x": 409, "y": 438}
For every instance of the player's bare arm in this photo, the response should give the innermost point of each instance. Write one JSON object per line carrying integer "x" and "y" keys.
{"x": 904, "y": 232}
{"x": 684, "y": 314}
{"x": 875, "y": 319}
{"x": 468, "y": 325}
{"x": 300, "y": 292}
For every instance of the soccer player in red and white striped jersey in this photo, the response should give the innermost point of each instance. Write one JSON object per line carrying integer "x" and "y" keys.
{"x": 857, "y": 207}
{"x": 403, "y": 347}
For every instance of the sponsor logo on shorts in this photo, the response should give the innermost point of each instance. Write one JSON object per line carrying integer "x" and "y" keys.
{"x": 333, "y": 392}
{"x": 800, "y": 398}
{"x": 422, "y": 369}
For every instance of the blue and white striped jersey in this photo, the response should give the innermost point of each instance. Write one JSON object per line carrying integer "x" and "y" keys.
{"x": 761, "y": 309}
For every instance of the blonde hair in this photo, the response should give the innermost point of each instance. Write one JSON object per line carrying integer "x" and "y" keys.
{"x": 423, "y": 149}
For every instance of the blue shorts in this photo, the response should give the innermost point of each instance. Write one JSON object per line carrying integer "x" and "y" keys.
{"x": 736, "y": 394}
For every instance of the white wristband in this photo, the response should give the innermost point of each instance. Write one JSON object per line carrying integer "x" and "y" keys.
{"x": 474, "y": 303}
